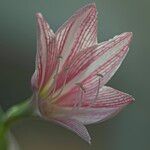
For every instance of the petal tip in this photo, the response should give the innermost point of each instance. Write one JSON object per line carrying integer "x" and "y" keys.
{"x": 129, "y": 34}
{"x": 90, "y": 6}
{"x": 39, "y": 15}
{"x": 89, "y": 142}
{"x": 131, "y": 100}
{"x": 125, "y": 36}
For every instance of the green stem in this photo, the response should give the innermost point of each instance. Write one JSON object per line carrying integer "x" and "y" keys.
{"x": 13, "y": 114}
{"x": 3, "y": 138}
{"x": 17, "y": 112}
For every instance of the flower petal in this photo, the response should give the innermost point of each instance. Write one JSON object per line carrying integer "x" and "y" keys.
{"x": 79, "y": 32}
{"x": 46, "y": 53}
{"x": 104, "y": 59}
{"x": 109, "y": 102}
{"x": 74, "y": 126}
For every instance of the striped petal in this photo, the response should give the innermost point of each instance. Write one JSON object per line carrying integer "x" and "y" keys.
{"x": 46, "y": 53}
{"x": 79, "y": 32}
{"x": 75, "y": 126}
{"x": 109, "y": 102}
{"x": 104, "y": 59}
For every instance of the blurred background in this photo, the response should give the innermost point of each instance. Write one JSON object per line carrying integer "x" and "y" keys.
{"x": 130, "y": 130}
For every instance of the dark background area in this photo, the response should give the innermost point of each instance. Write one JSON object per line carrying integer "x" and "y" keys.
{"x": 130, "y": 130}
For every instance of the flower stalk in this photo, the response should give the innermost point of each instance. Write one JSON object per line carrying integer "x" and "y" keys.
{"x": 12, "y": 115}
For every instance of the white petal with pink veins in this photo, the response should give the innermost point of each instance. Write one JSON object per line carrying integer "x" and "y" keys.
{"x": 109, "y": 102}
{"x": 74, "y": 126}
{"x": 110, "y": 55}
{"x": 46, "y": 52}
{"x": 79, "y": 32}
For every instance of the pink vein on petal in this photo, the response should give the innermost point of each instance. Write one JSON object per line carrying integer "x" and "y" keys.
{"x": 74, "y": 126}
{"x": 104, "y": 59}
{"x": 46, "y": 52}
{"x": 79, "y": 32}
{"x": 109, "y": 102}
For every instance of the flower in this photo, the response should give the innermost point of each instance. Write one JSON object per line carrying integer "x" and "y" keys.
{"x": 72, "y": 69}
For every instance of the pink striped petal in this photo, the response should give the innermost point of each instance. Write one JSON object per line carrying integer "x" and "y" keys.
{"x": 46, "y": 53}
{"x": 79, "y": 32}
{"x": 74, "y": 126}
{"x": 82, "y": 60}
{"x": 107, "y": 97}
{"x": 109, "y": 102}
{"x": 104, "y": 59}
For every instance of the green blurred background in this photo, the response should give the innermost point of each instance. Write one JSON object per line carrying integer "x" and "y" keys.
{"x": 130, "y": 130}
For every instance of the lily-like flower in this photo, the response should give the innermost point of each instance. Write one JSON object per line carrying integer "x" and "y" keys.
{"x": 72, "y": 69}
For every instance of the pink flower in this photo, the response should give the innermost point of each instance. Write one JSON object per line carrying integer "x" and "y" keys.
{"x": 72, "y": 69}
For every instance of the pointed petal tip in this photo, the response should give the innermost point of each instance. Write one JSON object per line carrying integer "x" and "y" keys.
{"x": 126, "y": 34}
{"x": 89, "y": 142}
{"x": 131, "y": 100}
{"x": 39, "y": 15}
{"x": 129, "y": 34}
{"x": 90, "y": 6}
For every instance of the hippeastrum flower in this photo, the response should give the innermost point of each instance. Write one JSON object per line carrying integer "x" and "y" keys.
{"x": 72, "y": 69}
